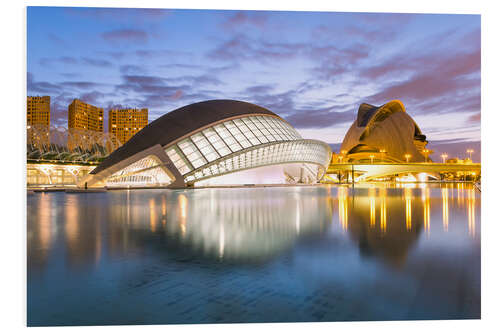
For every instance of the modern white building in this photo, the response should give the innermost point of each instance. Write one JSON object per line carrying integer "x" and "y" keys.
{"x": 210, "y": 143}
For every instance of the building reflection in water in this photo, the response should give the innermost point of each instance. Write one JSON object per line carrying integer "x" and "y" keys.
{"x": 183, "y": 213}
{"x": 408, "y": 197}
{"x": 152, "y": 214}
{"x": 249, "y": 224}
{"x": 238, "y": 225}
{"x": 471, "y": 212}
{"x": 342, "y": 194}
{"x": 383, "y": 210}
{"x": 82, "y": 232}
{"x": 427, "y": 210}
{"x": 163, "y": 210}
{"x": 373, "y": 211}
{"x": 444, "y": 199}
{"x": 399, "y": 223}
{"x": 40, "y": 235}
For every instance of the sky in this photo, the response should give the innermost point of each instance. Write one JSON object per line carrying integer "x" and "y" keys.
{"x": 313, "y": 69}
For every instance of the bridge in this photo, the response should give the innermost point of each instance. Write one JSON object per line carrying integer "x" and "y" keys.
{"x": 369, "y": 171}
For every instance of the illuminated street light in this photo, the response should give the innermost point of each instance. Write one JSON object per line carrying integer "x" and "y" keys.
{"x": 371, "y": 158}
{"x": 341, "y": 157}
{"x": 426, "y": 154}
{"x": 444, "y": 156}
{"x": 470, "y": 151}
{"x": 383, "y": 151}
{"x": 407, "y": 156}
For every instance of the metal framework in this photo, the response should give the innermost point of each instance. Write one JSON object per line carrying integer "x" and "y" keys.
{"x": 54, "y": 144}
{"x": 147, "y": 171}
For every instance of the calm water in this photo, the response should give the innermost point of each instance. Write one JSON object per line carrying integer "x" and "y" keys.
{"x": 254, "y": 255}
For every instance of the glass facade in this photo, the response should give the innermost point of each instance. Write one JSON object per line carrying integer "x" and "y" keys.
{"x": 225, "y": 147}
{"x": 280, "y": 153}
{"x": 147, "y": 171}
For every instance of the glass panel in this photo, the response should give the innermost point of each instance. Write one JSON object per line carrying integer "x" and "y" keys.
{"x": 199, "y": 162}
{"x": 187, "y": 147}
{"x": 178, "y": 160}
{"x": 212, "y": 156}
{"x": 224, "y": 151}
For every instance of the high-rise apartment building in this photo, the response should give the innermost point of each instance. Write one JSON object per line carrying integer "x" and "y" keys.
{"x": 124, "y": 123}
{"x": 38, "y": 110}
{"x": 85, "y": 116}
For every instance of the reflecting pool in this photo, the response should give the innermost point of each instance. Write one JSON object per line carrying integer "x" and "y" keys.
{"x": 277, "y": 254}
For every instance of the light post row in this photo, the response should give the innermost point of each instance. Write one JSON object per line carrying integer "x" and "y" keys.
{"x": 407, "y": 157}
{"x": 470, "y": 151}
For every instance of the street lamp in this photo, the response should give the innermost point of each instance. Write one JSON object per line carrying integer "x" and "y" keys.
{"x": 383, "y": 151}
{"x": 426, "y": 154}
{"x": 371, "y": 158}
{"x": 470, "y": 151}
{"x": 343, "y": 152}
{"x": 444, "y": 156}
{"x": 407, "y": 156}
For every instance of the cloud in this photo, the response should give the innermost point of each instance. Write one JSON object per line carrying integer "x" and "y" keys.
{"x": 476, "y": 118}
{"x": 96, "y": 62}
{"x": 80, "y": 84}
{"x": 438, "y": 80}
{"x": 115, "y": 55}
{"x": 92, "y": 97}
{"x": 151, "y": 91}
{"x": 242, "y": 47}
{"x": 163, "y": 54}
{"x": 132, "y": 69}
{"x": 62, "y": 60}
{"x": 37, "y": 87}
{"x": 126, "y": 15}
{"x": 333, "y": 62}
{"x": 143, "y": 80}
{"x": 260, "y": 89}
{"x": 126, "y": 35}
{"x": 309, "y": 118}
{"x": 65, "y": 61}
{"x": 371, "y": 28}
{"x": 245, "y": 19}
{"x": 434, "y": 79}
{"x": 329, "y": 60}
{"x": 204, "y": 79}
{"x": 70, "y": 75}
{"x": 57, "y": 40}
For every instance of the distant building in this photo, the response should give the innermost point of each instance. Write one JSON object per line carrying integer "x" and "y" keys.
{"x": 124, "y": 123}
{"x": 38, "y": 110}
{"x": 85, "y": 116}
{"x": 384, "y": 134}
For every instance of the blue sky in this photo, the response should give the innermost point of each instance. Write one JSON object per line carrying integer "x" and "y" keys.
{"x": 311, "y": 68}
